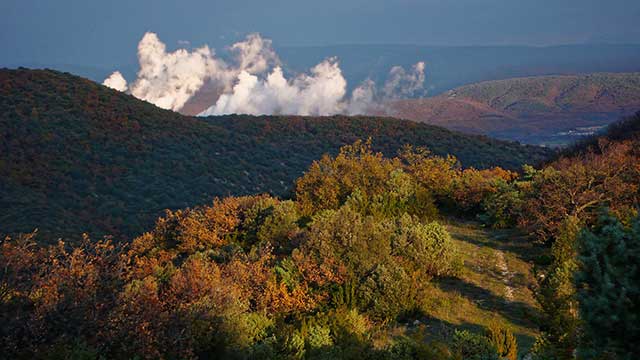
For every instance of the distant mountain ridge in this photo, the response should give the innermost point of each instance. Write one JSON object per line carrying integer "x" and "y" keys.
{"x": 76, "y": 156}
{"x": 542, "y": 109}
{"x": 447, "y": 67}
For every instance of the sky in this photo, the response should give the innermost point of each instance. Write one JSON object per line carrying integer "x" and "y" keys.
{"x": 106, "y": 32}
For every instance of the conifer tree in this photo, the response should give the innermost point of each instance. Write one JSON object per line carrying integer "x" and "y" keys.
{"x": 557, "y": 298}
{"x": 608, "y": 283}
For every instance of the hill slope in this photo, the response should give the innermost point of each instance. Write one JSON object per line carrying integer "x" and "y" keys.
{"x": 76, "y": 156}
{"x": 625, "y": 130}
{"x": 543, "y": 110}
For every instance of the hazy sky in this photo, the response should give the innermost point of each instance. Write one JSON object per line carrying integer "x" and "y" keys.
{"x": 105, "y": 32}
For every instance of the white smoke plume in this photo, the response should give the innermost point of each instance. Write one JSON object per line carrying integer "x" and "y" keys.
{"x": 320, "y": 93}
{"x": 168, "y": 80}
{"x": 116, "y": 81}
{"x": 255, "y": 55}
{"x": 402, "y": 84}
{"x": 363, "y": 98}
{"x": 255, "y": 83}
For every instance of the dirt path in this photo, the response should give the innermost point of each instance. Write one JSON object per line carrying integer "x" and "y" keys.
{"x": 507, "y": 276}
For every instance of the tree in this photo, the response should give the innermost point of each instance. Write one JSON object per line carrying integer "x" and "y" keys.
{"x": 503, "y": 341}
{"x": 607, "y": 176}
{"x": 473, "y": 186}
{"x": 556, "y": 296}
{"x": 330, "y": 181}
{"x": 608, "y": 282}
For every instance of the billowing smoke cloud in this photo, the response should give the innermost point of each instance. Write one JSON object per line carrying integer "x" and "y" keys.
{"x": 116, "y": 81}
{"x": 255, "y": 55}
{"x": 319, "y": 93}
{"x": 363, "y": 98}
{"x": 168, "y": 80}
{"x": 255, "y": 83}
{"x": 402, "y": 84}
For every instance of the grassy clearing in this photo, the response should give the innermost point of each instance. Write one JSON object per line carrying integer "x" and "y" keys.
{"x": 494, "y": 285}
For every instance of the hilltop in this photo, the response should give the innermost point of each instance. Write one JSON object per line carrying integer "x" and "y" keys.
{"x": 76, "y": 156}
{"x": 552, "y": 110}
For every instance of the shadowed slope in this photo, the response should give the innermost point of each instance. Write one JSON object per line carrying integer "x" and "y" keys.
{"x": 76, "y": 156}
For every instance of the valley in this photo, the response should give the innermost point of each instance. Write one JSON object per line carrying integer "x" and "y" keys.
{"x": 547, "y": 110}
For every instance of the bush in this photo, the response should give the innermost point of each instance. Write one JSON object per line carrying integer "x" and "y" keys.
{"x": 428, "y": 247}
{"x": 387, "y": 293}
{"x": 350, "y": 323}
{"x": 469, "y": 346}
{"x": 503, "y": 341}
{"x": 502, "y": 209}
{"x": 330, "y": 181}
{"x": 357, "y": 241}
{"x": 407, "y": 348}
{"x": 318, "y": 337}
{"x": 472, "y": 187}
{"x": 280, "y": 226}
{"x": 403, "y": 196}
{"x": 557, "y": 298}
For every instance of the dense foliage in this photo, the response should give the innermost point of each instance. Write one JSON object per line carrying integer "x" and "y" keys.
{"x": 255, "y": 276}
{"x": 608, "y": 284}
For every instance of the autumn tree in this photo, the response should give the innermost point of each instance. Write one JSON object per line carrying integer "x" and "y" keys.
{"x": 328, "y": 182}
{"x": 607, "y": 176}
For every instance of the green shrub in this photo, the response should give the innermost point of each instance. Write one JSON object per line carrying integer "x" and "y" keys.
{"x": 318, "y": 337}
{"x": 280, "y": 226}
{"x": 359, "y": 242}
{"x": 501, "y": 209}
{"x": 556, "y": 295}
{"x": 503, "y": 341}
{"x": 387, "y": 293}
{"x": 469, "y": 346}
{"x": 408, "y": 348}
{"x": 350, "y": 322}
{"x": 428, "y": 247}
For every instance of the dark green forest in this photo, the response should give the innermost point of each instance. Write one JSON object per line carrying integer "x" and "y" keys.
{"x": 78, "y": 157}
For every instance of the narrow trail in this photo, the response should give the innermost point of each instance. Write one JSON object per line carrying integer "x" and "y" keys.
{"x": 506, "y": 275}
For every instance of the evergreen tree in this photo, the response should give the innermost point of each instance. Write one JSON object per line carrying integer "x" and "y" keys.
{"x": 557, "y": 298}
{"x": 608, "y": 283}
{"x": 503, "y": 341}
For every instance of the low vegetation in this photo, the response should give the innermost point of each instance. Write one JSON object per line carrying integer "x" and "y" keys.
{"x": 252, "y": 277}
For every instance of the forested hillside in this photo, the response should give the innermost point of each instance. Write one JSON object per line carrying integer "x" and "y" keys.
{"x": 551, "y": 110}
{"x": 370, "y": 260}
{"x": 76, "y": 156}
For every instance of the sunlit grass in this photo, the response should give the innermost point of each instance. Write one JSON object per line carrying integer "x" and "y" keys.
{"x": 479, "y": 296}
